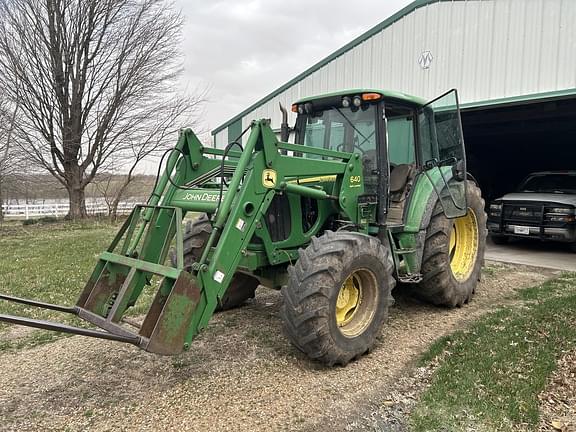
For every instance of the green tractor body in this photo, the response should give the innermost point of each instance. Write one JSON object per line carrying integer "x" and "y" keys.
{"x": 372, "y": 192}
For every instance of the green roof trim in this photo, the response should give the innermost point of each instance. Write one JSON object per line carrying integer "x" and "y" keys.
{"x": 387, "y": 94}
{"x": 518, "y": 100}
{"x": 363, "y": 37}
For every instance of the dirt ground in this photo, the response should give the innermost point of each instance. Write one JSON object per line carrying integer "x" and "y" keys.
{"x": 241, "y": 374}
{"x": 558, "y": 400}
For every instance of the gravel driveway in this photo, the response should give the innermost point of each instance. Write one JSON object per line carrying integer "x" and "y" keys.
{"x": 241, "y": 374}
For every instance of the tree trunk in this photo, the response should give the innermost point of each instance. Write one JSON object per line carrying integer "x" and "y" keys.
{"x": 1, "y": 201}
{"x": 76, "y": 189}
{"x": 116, "y": 201}
{"x": 77, "y": 203}
{"x": 114, "y": 209}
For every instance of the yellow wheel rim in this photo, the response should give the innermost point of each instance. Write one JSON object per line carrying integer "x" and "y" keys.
{"x": 348, "y": 300}
{"x": 356, "y": 302}
{"x": 463, "y": 246}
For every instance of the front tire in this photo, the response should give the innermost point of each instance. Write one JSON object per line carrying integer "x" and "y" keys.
{"x": 337, "y": 297}
{"x": 453, "y": 253}
{"x": 196, "y": 234}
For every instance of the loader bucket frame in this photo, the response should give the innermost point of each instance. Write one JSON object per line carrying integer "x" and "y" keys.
{"x": 118, "y": 280}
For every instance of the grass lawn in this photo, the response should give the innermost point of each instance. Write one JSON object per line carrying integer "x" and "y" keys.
{"x": 489, "y": 376}
{"x": 50, "y": 263}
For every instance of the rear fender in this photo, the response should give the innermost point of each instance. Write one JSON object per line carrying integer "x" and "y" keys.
{"x": 433, "y": 199}
{"x": 421, "y": 205}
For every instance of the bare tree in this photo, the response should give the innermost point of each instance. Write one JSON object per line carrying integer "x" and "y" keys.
{"x": 147, "y": 142}
{"x": 95, "y": 77}
{"x": 7, "y": 155}
{"x": 114, "y": 189}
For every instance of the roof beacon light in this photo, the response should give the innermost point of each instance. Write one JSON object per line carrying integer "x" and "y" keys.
{"x": 357, "y": 101}
{"x": 371, "y": 96}
{"x": 294, "y": 108}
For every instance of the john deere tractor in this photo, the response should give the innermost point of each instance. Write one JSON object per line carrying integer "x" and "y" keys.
{"x": 372, "y": 193}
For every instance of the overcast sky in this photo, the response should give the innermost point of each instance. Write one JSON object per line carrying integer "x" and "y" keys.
{"x": 242, "y": 50}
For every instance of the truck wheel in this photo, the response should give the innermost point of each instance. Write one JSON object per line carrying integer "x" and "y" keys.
{"x": 337, "y": 296}
{"x": 196, "y": 233}
{"x": 453, "y": 253}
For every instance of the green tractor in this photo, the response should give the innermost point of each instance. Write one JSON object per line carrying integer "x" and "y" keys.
{"x": 372, "y": 193}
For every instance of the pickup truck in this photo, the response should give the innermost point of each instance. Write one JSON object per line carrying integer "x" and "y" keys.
{"x": 543, "y": 207}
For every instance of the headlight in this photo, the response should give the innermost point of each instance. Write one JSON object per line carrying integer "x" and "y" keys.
{"x": 566, "y": 211}
{"x": 561, "y": 218}
{"x": 495, "y": 209}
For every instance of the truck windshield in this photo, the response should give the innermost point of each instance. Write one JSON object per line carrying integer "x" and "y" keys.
{"x": 550, "y": 183}
{"x": 341, "y": 129}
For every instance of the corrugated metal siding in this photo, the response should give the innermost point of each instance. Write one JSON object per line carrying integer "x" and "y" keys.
{"x": 234, "y": 131}
{"x": 488, "y": 49}
{"x": 221, "y": 139}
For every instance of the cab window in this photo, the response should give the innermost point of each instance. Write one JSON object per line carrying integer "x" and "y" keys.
{"x": 342, "y": 129}
{"x": 400, "y": 128}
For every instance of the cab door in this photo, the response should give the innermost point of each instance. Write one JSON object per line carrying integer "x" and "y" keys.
{"x": 442, "y": 152}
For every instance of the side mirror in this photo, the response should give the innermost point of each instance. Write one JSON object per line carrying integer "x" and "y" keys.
{"x": 432, "y": 163}
{"x": 429, "y": 164}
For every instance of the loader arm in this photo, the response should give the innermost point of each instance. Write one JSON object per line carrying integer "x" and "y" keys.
{"x": 262, "y": 171}
{"x": 187, "y": 298}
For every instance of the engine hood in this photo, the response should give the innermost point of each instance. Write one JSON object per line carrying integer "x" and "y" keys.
{"x": 568, "y": 199}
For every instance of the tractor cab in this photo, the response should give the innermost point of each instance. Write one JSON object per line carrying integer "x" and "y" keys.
{"x": 398, "y": 137}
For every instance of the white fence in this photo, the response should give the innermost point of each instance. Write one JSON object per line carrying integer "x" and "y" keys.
{"x": 31, "y": 211}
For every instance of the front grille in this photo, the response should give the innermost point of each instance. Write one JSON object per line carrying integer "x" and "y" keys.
{"x": 534, "y": 214}
{"x": 523, "y": 212}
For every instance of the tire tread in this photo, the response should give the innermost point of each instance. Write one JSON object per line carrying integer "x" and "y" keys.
{"x": 305, "y": 309}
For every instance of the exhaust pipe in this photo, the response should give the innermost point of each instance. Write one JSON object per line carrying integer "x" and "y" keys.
{"x": 284, "y": 128}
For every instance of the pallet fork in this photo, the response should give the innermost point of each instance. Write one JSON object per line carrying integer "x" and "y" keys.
{"x": 115, "y": 284}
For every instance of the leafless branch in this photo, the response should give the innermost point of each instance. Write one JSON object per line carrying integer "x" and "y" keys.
{"x": 95, "y": 82}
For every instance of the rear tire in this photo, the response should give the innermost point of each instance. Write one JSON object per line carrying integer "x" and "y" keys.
{"x": 453, "y": 253}
{"x": 196, "y": 234}
{"x": 337, "y": 296}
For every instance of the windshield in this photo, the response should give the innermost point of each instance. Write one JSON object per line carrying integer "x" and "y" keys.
{"x": 341, "y": 129}
{"x": 550, "y": 183}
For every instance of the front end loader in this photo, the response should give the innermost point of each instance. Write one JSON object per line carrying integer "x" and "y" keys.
{"x": 372, "y": 192}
